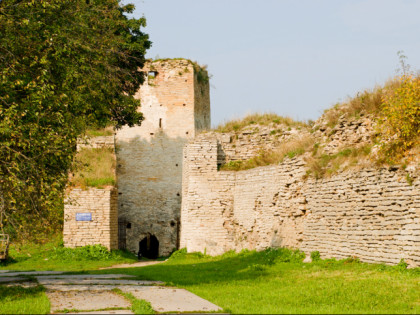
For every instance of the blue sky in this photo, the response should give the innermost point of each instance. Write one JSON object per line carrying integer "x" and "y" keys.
{"x": 292, "y": 57}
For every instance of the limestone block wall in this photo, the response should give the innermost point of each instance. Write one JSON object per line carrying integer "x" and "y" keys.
{"x": 207, "y": 201}
{"x": 96, "y": 142}
{"x": 149, "y": 157}
{"x": 373, "y": 214}
{"x": 248, "y": 142}
{"x": 102, "y": 229}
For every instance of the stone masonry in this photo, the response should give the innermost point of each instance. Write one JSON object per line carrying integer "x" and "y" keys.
{"x": 170, "y": 185}
{"x": 102, "y": 228}
{"x": 175, "y": 104}
{"x": 373, "y": 214}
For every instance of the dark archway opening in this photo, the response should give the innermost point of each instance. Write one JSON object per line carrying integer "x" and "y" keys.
{"x": 149, "y": 247}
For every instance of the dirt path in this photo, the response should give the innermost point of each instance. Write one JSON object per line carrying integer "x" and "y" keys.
{"x": 135, "y": 265}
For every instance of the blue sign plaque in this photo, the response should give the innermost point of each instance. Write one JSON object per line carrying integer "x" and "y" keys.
{"x": 84, "y": 216}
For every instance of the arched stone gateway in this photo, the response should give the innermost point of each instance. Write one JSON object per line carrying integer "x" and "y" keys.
{"x": 149, "y": 247}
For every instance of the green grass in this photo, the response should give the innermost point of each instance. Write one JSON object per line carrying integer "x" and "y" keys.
{"x": 94, "y": 168}
{"x": 53, "y": 256}
{"x": 271, "y": 281}
{"x": 278, "y": 282}
{"x": 137, "y": 306}
{"x": 289, "y": 149}
{"x": 101, "y": 132}
{"x": 18, "y": 300}
{"x": 320, "y": 164}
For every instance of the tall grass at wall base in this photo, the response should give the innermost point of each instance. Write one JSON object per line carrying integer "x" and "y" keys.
{"x": 52, "y": 255}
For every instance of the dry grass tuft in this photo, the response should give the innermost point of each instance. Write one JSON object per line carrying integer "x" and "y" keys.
{"x": 258, "y": 119}
{"x": 107, "y": 131}
{"x": 324, "y": 165}
{"x": 94, "y": 168}
{"x": 369, "y": 101}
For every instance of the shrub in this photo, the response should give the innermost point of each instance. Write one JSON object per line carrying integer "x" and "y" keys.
{"x": 315, "y": 256}
{"x": 179, "y": 254}
{"x": 402, "y": 265}
{"x": 400, "y": 120}
{"x": 89, "y": 252}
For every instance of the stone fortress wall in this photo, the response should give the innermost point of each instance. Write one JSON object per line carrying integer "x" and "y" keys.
{"x": 91, "y": 214}
{"x": 101, "y": 225}
{"x": 175, "y": 104}
{"x": 373, "y": 214}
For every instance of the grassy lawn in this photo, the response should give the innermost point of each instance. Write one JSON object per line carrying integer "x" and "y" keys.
{"x": 272, "y": 281}
{"x": 16, "y": 300}
{"x": 53, "y": 256}
{"x": 278, "y": 282}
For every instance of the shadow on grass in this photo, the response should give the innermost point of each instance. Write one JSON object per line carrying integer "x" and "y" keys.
{"x": 8, "y": 261}
{"x": 190, "y": 269}
{"x": 195, "y": 268}
{"x": 17, "y": 292}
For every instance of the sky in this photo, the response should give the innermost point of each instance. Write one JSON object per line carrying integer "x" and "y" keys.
{"x": 295, "y": 58}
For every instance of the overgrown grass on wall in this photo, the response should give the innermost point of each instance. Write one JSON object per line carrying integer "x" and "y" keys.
{"x": 395, "y": 107}
{"x": 321, "y": 165}
{"x": 94, "y": 168}
{"x": 100, "y": 132}
{"x": 289, "y": 149}
{"x": 259, "y": 119}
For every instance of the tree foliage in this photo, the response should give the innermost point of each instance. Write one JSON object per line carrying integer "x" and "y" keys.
{"x": 65, "y": 65}
{"x": 400, "y": 114}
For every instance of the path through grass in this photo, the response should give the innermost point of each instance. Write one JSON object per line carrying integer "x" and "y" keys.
{"x": 271, "y": 281}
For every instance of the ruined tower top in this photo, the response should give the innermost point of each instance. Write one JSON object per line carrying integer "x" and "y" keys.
{"x": 174, "y": 99}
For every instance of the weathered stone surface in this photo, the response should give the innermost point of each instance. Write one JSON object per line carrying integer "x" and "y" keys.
{"x": 85, "y": 277}
{"x": 96, "y": 142}
{"x": 96, "y": 281}
{"x": 125, "y": 311}
{"x": 164, "y": 299}
{"x": 103, "y": 229}
{"x": 369, "y": 213}
{"x": 176, "y": 105}
{"x": 135, "y": 265}
{"x": 86, "y": 300}
{"x": 11, "y": 279}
